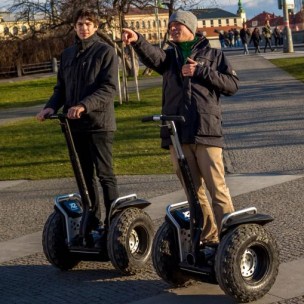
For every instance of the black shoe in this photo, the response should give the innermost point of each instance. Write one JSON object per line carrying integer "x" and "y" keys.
{"x": 100, "y": 238}
{"x": 207, "y": 254}
{"x": 93, "y": 222}
{"x": 100, "y": 244}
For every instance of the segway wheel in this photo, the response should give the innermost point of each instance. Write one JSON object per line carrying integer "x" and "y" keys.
{"x": 247, "y": 262}
{"x": 165, "y": 256}
{"x": 54, "y": 243}
{"x": 130, "y": 240}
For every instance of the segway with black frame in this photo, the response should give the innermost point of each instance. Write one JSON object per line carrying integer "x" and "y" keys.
{"x": 67, "y": 236}
{"x": 246, "y": 261}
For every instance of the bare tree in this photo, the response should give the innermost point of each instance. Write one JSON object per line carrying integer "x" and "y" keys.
{"x": 52, "y": 19}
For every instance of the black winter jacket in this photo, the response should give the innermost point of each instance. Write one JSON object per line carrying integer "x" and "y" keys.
{"x": 197, "y": 98}
{"x": 88, "y": 75}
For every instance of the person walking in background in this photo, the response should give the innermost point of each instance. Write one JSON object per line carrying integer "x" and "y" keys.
{"x": 237, "y": 38}
{"x": 222, "y": 39}
{"x": 86, "y": 87}
{"x": 267, "y": 36}
{"x": 276, "y": 36}
{"x": 231, "y": 37}
{"x": 256, "y": 39}
{"x": 245, "y": 38}
{"x": 194, "y": 77}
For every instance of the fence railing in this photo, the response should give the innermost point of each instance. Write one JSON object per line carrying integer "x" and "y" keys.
{"x": 26, "y": 69}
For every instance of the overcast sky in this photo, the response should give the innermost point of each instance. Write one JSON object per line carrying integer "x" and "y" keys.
{"x": 252, "y": 7}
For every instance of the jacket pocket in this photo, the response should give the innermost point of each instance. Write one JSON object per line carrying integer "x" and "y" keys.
{"x": 210, "y": 122}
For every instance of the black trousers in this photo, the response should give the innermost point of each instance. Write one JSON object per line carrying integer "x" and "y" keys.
{"x": 267, "y": 43}
{"x": 95, "y": 156}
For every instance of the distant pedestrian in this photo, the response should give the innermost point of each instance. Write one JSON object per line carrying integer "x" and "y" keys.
{"x": 222, "y": 39}
{"x": 245, "y": 35}
{"x": 237, "y": 38}
{"x": 256, "y": 39}
{"x": 226, "y": 36}
{"x": 231, "y": 38}
{"x": 281, "y": 37}
{"x": 267, "y": 36}
{"x": 276, "y": 35}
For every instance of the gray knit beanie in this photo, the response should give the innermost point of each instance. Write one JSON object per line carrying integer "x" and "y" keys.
{"x": 186, "y": 18}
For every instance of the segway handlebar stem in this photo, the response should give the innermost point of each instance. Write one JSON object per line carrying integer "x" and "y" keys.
{"x": 196, "y": 216}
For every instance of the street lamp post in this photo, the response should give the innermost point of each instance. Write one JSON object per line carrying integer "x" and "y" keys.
{"x": 288, "y": 44}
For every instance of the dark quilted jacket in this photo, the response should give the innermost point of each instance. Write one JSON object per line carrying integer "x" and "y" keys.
{"x": 88, "y": 75}
{"x": 196, "y": 98}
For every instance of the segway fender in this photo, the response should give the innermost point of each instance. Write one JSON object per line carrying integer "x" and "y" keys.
{"x": 258, "y": 218}
{"x": 137, "y": 203}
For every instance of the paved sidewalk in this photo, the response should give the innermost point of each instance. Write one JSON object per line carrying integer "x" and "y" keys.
{"x": 263, "y": 126}
{"x": 29, "y": 245}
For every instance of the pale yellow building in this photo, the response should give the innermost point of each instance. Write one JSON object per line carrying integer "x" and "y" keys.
{"x": 10, "y": 27}
{"x": 150, "y": 22}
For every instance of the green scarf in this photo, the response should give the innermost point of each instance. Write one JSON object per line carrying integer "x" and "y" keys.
{"x": 186, "y": 48}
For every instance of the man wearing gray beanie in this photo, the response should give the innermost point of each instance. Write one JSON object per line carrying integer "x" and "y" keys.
{"x": 186, "y": 18}
{"x": 194, "y": 77}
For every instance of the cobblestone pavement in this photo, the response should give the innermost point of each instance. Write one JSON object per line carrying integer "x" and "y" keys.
{"x": 32, "y": 279}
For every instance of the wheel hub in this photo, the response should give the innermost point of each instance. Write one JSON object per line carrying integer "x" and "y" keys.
{"x": 249, "y": 263}
{"x": 133, "y": 241}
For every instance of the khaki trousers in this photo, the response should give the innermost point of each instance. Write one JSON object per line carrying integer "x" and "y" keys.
{"x": 207, "y": 169}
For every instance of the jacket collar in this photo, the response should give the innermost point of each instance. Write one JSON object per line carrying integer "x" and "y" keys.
{"x": 84, "y": 44}
{"x": 202, "y": 42}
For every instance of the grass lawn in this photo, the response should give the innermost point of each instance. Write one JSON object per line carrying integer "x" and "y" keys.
{"x": 26, "y": 93}
{"x": 294, "y": 66}
{"x": 35, "y": 150}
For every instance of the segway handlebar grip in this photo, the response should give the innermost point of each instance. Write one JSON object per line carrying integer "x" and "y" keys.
{"x": 164, "y": 118}
{"x": 55, "y": 116}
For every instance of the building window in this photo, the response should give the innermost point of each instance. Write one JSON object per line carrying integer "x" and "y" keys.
{"x": 220, "y": 22}
{"x": 137, "y": 25}
{"x": 132, "y": 24}
{"x": 235, "y": 22}
{"x": 144, "y": 36}
{"x": 154, "y": 23}
{"x": 161, "y": 35}
{"x": 15, "y": 30}
{"x": 227, "y": 21}
{"x": 149, "y": 24}
{"x": 6, "y": 31}
{"x": 211, "y": 23}
{"x": 204, "y": 22}
{"x": 143, "y": 24}
{"x": 150, "y": 36}
{"x": 24, "y": 29}
{"x": 43, "y": 27}
{"x": 165, "y": 23}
